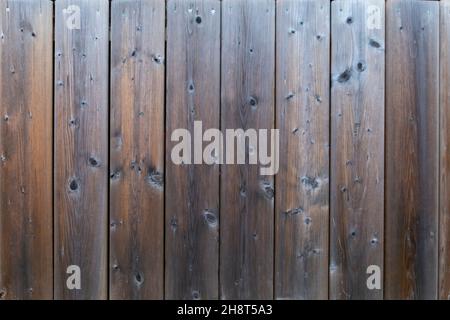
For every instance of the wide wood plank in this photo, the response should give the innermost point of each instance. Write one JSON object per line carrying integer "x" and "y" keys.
{"x": 247, "y": 198}
{"x": 81, "y": 147}
{"x": 444, "y": 222}
{"x": 302, "y": 184}
{"x": 192, "y": 197}
{"x": 137, "y": 150}
{"x": 26, "y": 262}
{"x": 412, "y": 149}
{"x": 357, "y": 147}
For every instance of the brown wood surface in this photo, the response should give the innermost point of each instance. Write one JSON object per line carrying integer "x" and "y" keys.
{"x": 137, "y": 150}
{"x": 87, "y": 179}
{"x": 357, "y": 146}
{"x": 26, "y": 264}
{"x": 444, "y": 223}
{"x": 81, "y": 149}
{"x": 192, "y": 191}
{"x": 412, "y": 149}
{"x": 302, "y": 184}
{"x": 247, "y": 198}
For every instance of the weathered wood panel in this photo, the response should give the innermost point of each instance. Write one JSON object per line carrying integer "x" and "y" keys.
{"x": 26, "y": 264}
{"x": 444, "y": 231}
{"x": 192, "y": 197}
{"x": 137, "y": 150}
{"x": 412, "y": 150}
{"x": 357, "y": 147}
{"x": 247, "y": 198}
{"x": 81, "y": 146}
{"x": 302, "y": 184}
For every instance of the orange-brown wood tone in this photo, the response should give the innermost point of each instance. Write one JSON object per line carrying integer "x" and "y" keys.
{"x": 192, "y": 197}
{"x": 137, "y": 150}
{"x": 81, "y": 147}
{"x": 26, "y": 262}
{"x": 412, "y": 149}
{"x": 302, "y": 184}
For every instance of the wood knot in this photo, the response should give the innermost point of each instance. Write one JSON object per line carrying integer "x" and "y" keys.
{"x": 345, "y": 76}
{"x": 375, "y": 44}
{"x": 155, "y": 179}
{"x": 139, "y": 278}
{"x": 252, "y": 101}
{"x": 268, "y": 190}
{"x": 173, "y": 224}
{"x": 73, "y": 185}
{"x": 210, "y": 218}
{"x": 361, "y": 66}
{"x": 294, "y": 212}
{"x": 158, "y": 59}
{"x": 191, "y": 88}
{"x": 290, "y": 96}
{"x": 195, "y": 295}
{"x": 134, "y": 165}
{"x": 93, "y": 162}
{"x": 115, "y": 175}
{"x": 243, "y": 191}
{"x": 310, "y": 182}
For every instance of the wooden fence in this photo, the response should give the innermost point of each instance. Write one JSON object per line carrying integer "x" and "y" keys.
{"x": 91, "y": 91}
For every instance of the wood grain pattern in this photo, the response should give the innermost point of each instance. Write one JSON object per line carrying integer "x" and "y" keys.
{"x": 26, "y": 265}
{"x": 412, "y": 105}
{"x": 247, "y": 198}
{"x": 302, "y": 184}
{"x": 357, "y": 146}
{"x": 81, "y": 148}
{"x": 137, "y": 150}
{"x": 192, "y": 198}
{"x": 444, "y": 223}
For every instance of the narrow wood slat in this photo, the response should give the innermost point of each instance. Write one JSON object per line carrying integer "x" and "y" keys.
{"x": 412, "y": 149}
{"x": 247, "y": 198}
{"x": 357, "y": 147}
{"x": 26, "y": 264}
{"x": 137, "y": 150}
{"x": 81, "y": 147}
{"x": 192, "y": 197}
{"x": 302, "y": 184}
{"x": 444, "y": 231}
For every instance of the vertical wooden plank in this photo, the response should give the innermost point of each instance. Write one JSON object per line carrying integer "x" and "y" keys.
{"x": 302, "y": 184}
{"x": 357, "y": 147}
{"x": 247, "y": 198}
{"x": 444, "y": 232}
{"x": 137, "y": 149}
{"x": 412, "y": 111}
{"x": 81, "y": 146}
{"x": 26, "y": 264}
{"x": 192, "y": 198}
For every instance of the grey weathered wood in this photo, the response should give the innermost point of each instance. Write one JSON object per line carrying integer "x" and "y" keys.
{"x": 357, "y": 147}
{"x": 26, "y": 264}
{"x": 412, "y": 149}
{"x": 81, "y": 148}
{"x": 137, "y": 150}
{"x": 247, "y": 198}
{"x": 192, "y": 197}
{"x": 302, "y": 184}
